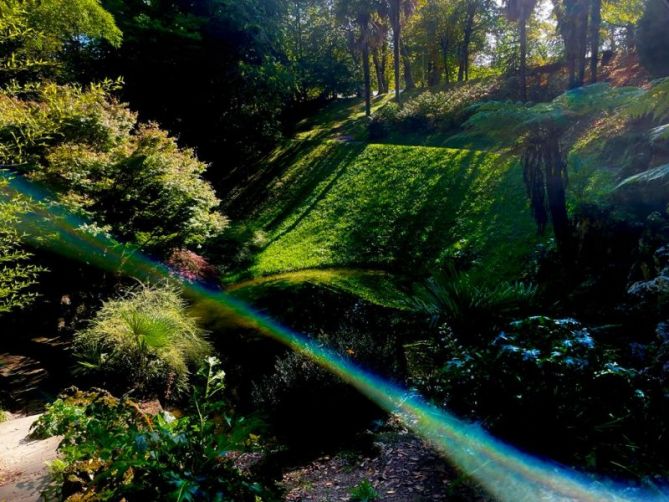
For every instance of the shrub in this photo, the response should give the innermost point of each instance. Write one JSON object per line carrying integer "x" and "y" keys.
{"x": 430, "y": 110}
{"x": 143, "y": 340}
{"x": 131, "y": 179}
{"x": 329, "y": 408}
{"x": 113, "y": 451}
{"x": 191, "y": 266}
{"x": 17, "y": 273}
{"x": 364, "y": 492}
{"x": 470, "y": 306}
{"x": 547, "y": 384}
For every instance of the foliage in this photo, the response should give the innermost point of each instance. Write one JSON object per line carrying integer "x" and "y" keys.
{"x": 326, "y": 402}
{"x": 364, "y": 492}
{"x": 470, "y": 307}
{"x": 33, "y": 34}
{"x": 191, "y": 266}
{"x": 542, "y": 374}
{"x": 653, "y": 39}
{"x": 143, "y": 340}
{"x": 112, "y": 450}
{"x": 436, "y": 110}
{"x": 3, "y": 416}
{"x": 17, "y": 273}
{"x": 131, "y": 179}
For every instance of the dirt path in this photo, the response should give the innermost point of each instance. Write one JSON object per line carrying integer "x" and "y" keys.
{"x": 23, "y": 472}
{"x": 405, "y": 469}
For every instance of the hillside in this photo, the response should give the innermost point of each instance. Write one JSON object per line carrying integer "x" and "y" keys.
{"x": 372, "y": 213}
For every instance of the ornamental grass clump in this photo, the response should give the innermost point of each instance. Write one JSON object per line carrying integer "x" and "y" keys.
{"x": 143, "y": 341}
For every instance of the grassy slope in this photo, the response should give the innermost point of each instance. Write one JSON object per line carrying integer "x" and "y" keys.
{"x": 399, "y": 207}
{"x": 329, "y": 199}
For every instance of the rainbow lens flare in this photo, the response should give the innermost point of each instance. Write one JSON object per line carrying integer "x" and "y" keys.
{"x": 505, "y": 472}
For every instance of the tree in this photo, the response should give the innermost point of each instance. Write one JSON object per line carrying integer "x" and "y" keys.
{"x": 361, "y": 13}
{"x": 398, "y": 11}
{"x": 536, "y": 133}
{"x": 653, "y": 38}
{"x": 572, "y": 17}
{"x": 33, "y": 34}
{"x": 131, "y": 179}
{"x": 520, "y": 11}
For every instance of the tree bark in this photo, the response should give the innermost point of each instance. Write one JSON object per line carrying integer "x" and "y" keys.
{"x": 554, "y": 164}
{"x": 408, "y": 75}
{"x": 397, "y": 40}
{"x": 595, "y": 25}
{"x": 380, "y": 80}
{"x": 522, "y": 25}
{"x": 366, "y": 77}
{"x": 582, "y": 44}
{"x": 463, "y": 70}
{"x": 444, "y": 55}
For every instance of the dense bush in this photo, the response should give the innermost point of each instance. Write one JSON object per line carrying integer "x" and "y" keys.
{"x": 433, "y": 111}
{"x": 113, "y": 451}
{"x": 143, "y": 340}
{"x": 308, "y": 401}
{"x": 548, "y": 385}
{"x": 17, "y": 273}
{"x": 470, "y": 306}
{"x": 132, "y": 179}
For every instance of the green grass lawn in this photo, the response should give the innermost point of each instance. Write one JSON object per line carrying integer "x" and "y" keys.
{"x": 395, "y": 207}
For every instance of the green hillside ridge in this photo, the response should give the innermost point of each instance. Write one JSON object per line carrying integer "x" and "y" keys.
{"x": 329, "y": 199}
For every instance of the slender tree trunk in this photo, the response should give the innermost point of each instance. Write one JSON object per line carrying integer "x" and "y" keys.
{"x": 582, "y": 44}
{"x": 522, "y": 25}
{"x": 397, "y": 37}
{"x": 444, "y": 56}
{"x": 555, "y": 190}
{"x": 463, "y": 70}
{"x": 384, "y": 65}
{"x": 366, "y": 77}
{"x": 595, "y": 25}
{"x": 408, "y": 75}
{"x": 379, "y": 72}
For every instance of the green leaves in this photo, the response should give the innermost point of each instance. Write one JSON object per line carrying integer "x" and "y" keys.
{"x": 144, "y": 341}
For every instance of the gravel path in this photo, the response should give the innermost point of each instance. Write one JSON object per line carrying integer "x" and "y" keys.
{"x": 23, "y": 472}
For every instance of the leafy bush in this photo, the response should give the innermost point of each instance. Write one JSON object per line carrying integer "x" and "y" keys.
{"x": 470, "y": 306}
{"x": 330, "y": 408}
{"x": 441, "y": 111}
{"x": 547, "y": 384}
{"x": 17, "y": 273}
{"x": 364, "y": 492}
{"x": 132, "y": 179}
{"x": 143, "y": 340}
{"x": 113, "y": 451}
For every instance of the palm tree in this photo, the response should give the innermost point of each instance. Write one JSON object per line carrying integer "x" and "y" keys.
{"x": 398, "y": 10}
{"x": 520, "y": 12}
{"x": 361, "y": 14}
{"x": 536, "y": 133}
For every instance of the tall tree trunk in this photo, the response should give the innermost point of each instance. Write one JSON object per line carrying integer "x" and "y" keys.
{"x": 554, "y": 164}
{"x": 397, "y": 40}
{"x": 380, "y": 82}
{"x": 366, "y": 77}
{"x": 463, "y": 70}
{"x": 444, "y": 55}
{"x": 595, "y": 25}
{"x": 522, "y": 25}
{"x": 384, "y": 65}
{"x": 582, "y": 44}
{"x": 408, "y": 75}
